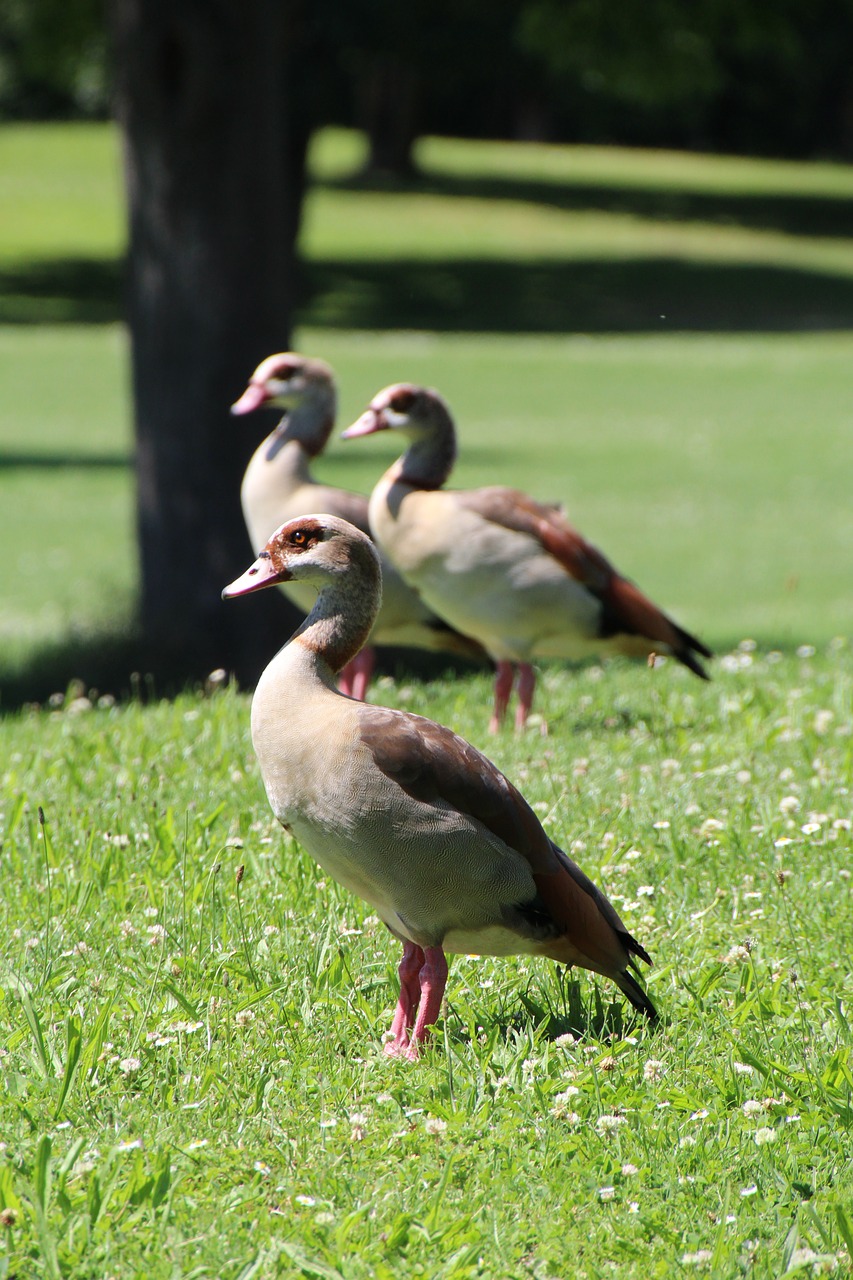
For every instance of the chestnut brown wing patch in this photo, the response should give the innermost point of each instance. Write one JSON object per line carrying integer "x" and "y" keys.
{"x": 625, "y": 610}
{"x": 431, "y": 762}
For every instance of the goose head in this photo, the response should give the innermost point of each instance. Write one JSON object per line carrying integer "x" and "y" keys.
{"x": 423, "y": 418}
{"x": 414, "y": 411}
{"x": 304, "y": 388}
{"x": 322, "y": 550}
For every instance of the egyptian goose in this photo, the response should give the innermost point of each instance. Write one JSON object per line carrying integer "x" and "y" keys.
{"x": 499, "y": 565}
{"x": 278, "y": 486}
{"x": 402, "y": 811}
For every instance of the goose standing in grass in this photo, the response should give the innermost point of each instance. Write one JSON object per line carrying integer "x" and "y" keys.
{"x": 278, "y": 486}
{"x": 497, "y": 564}
{"x": 402, "y": 811}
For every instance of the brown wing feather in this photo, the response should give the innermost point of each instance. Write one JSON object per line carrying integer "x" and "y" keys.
{"x": 430, "y": 762}
{"x": 625, "y": 609}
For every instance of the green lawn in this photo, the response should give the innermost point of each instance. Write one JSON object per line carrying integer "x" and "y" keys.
{"x": 193, "y": 1083}
{"x": 193, "y": 1076}
{"x": 714, "y": 470}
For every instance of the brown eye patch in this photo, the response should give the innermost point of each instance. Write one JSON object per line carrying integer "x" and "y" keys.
{"x": 402, "y": 401}
{"x": 303, "y": 538}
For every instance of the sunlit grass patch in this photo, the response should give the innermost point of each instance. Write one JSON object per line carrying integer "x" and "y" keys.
{"x": 193, "y": 1069}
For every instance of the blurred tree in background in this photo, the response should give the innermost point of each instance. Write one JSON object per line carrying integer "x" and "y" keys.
{"x": 202, "y": 95}
{"x": 725, "y": 75}
{"x": 53, "y": 59}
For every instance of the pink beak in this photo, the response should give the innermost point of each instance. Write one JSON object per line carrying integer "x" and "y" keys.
{"x": 252, "y": 398}
{"x": 261, "y": 574}
{"x": 369, "y": 422}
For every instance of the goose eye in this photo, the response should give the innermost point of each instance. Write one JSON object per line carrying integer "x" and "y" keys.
{"x": 299, "y": 538}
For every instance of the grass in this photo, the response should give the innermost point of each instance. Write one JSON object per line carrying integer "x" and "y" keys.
{"x": 727, "y": 452}
{"x": 194, "y": 1082}
{"x": 726, "y": 455}
{"x": 192, "y": 1074}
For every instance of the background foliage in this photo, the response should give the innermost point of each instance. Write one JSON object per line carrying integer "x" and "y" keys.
{"x": 716, "y": 75}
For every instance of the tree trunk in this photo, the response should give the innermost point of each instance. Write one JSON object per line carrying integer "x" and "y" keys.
{"x": 388, "y": 99}
{"x": 201, "y": 91}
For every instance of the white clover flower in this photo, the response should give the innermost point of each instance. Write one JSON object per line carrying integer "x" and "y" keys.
{"x": 700, "y": 1258}
{"x": 358, "y": 1121}
{"x": 752, "y": 1107}
{"x": 646, "y": 891}
{"x": 818, "y": 1263}
{"x": 607, "y": 1125}
{"x": 243, "y": 1017}
{"x": 765, "y": 1135}
{"x": 156, "y": 934}
{"x": 687, "y": 1141}
{"x": 607, "y": 1193}
{"x": 743, "y": 1069}
{"x": 842, "y": 824}
{"x": 789, "y": 804}
{"x": 329, "y": 1122}
{"x": 129, "y": 1065}
{"x": 560, "y": 1108}
{"x": 654, "y": 1069}
{"x": 736, "y": 955}
{"x": 743, "y": 776}
{"x": 435, "y": 1126}
{"x": 629, "y": 1170}
{"x": 127, "y": 928}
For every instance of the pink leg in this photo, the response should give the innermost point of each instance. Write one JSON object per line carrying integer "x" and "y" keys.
{"x": 433, "y": 979}
{"x": 410, "y": 966}
{"x": 504, "y": 675}
{"x": 362, "y": 664}
{"x": 526, "y": 685}
{"x": 355, "y": 676}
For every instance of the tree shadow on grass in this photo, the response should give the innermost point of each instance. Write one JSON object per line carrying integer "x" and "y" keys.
{"x": 10, "y": 459}
{"x": 792, "y": 213}
{"x": 120, "y": 664}
{"x": 660, "y": 295}
{"x": 634, "y": 295}
{"x": 62, "y": 291}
